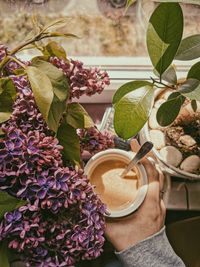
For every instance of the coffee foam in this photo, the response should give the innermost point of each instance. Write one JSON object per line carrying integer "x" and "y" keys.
{"x": 116, "y": 192}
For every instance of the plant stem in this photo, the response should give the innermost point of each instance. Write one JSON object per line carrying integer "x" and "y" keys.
{"x": 160, "y": 87}
{"x": 160, "y": 82}
{"x": 36, "y": 38}
{"x": 18, "y": 48}
{"x": 17, "y": 61}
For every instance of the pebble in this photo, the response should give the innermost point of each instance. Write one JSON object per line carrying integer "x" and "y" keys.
{"x": 187, "y": 140}
{"x": 191, "y": 164}
{"x": 158, "y": 138}
{"x": 171, "y": 155}
{"x": 153, "y": 124}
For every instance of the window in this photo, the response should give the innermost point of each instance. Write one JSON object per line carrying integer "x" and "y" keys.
{"x": 109, "y": 39}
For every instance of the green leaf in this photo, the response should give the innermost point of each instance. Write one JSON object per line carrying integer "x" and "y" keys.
{"x": 156, "y": 47}
{"x": 4, "y": 259}
{"x": 129, "y": 3}
{"x": 7, "y": 98}
{"x": 191, "y": 89}
{"x": 60, "y": 90}
{"x": 20, "y": 71}
{"x": 132, "y": 111}
{"x": 4, "y": 116}
{"x": 60, "y": 34}
{"x": 170, "y": 75}
{"x": 6, "y": 84}
{"x": 169, "y": 110}
{"x": 54, "y": 49}
{"x": 78, "y": 117}
{"x": 194, "y": 105}
{"x": 194, "y": 72}
{"x": 69, "y": 139}
{"x": 189, "y": 48}
{"x": 56, "y": 76}
{"x": 173, "y": 95}
{"x": 164, "y": 35}
{"x": 56, "y": 113}
{"x": 42, "y": 90}
{"x": 58, "y": 23}
{"x": 9, "y": 203}
{"x": 127, "y": 88}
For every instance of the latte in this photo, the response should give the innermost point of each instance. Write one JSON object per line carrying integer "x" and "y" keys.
{"x": 116, "y": 192}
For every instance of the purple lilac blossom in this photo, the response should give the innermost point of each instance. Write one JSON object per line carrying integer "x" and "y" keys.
{"x": 93, "y": 141}
{"x": 12, "y": 65}
{"x": 63, "y": 221}
{"x": 45, "y": 239}
{"x": 82, "y": 81}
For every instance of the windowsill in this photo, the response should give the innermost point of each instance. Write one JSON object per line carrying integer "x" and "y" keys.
{"x": 122, "y": 70}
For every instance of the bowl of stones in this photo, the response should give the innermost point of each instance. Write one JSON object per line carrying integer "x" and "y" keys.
{"x": 177, "y": 146}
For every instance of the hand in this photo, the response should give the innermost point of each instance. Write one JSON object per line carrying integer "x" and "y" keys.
{"x": 146, "y": 221}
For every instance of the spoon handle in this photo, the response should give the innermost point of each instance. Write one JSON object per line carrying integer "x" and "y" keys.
{"x": 144, "y": 149}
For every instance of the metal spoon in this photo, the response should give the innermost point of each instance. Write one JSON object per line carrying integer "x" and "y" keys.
{"x": 144, "y": 149}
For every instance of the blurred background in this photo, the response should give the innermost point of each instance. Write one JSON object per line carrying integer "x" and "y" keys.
{"x": 102, "y": 26}
{"x": 109, "y": 37}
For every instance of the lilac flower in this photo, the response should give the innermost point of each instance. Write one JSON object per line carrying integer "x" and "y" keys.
{"x": 93, "y": 141}
{"x": 61, "y": 181}
{"x": 25, "y": 158}
{"x": 41, "y": 252}
{"x": 12, "y": 217}
{"x": 82, "y": 80}
{"x": 64, "y": 238}
{"x": 63, "y": 221}
{"x": 44, "y": 186}
{"x": 12, "y": 65}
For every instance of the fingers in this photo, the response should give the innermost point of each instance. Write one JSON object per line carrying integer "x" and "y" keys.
{"x": 151, "y": 171}
{"x": 156, "y": 181}
{"x": 134, "y": 145}
{"x": 161, "y": 177}
{"x": 154, "y": 172}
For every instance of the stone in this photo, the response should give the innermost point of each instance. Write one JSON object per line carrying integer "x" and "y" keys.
{"x": 190, "y": 164}
{"x": 187, "y": 140}
{"x": 153, "y": 123}
{"x": 158, "y": 138}
{"x": 171, "y": 155}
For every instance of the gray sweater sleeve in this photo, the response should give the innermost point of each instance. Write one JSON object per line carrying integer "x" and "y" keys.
{"x": 155, "y": 251}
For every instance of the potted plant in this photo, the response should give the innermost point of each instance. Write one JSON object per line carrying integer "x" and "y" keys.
{"x": 178, "y": 108}
{"x": 49, "y": 213}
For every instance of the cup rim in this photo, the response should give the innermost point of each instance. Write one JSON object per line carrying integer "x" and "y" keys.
{"x": 123, "y": 155}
